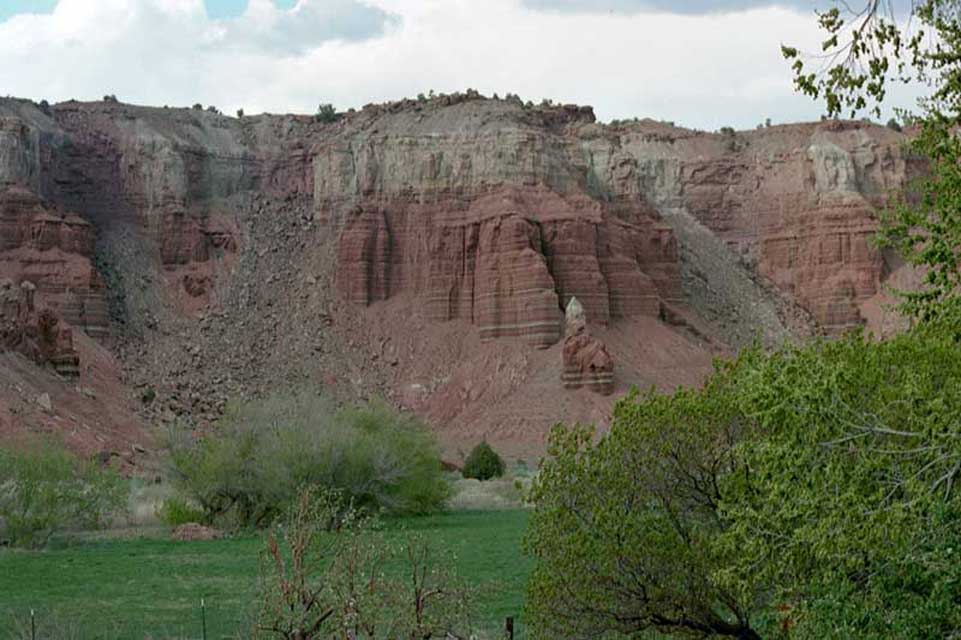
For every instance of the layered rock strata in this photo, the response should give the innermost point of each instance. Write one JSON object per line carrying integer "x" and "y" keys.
{"x": 586, "y": 362}
{"x": 798, "y": 203}
{"x": 53, "y": 249}
{"x": 35, "y": 333}
{"x": 245, "y": 253}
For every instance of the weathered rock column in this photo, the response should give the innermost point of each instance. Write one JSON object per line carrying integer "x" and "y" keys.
{"x": 586, "y": 360}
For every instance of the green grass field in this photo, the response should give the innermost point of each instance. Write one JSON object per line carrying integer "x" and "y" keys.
{"x": 123, "y": 588}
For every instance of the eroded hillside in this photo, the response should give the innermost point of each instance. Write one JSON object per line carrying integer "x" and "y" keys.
{"x": 419, "y": 251}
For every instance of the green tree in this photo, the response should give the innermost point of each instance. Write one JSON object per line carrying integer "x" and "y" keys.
{"x": 624, "y": 530}
{"x": 44, "y": 488}
{"x": 867, "y": 48}
{"x": 327, "y": 113}
{"x": 808, "y": 493}
{"x": 849, "y": 511}
{"x": 248, "y": 469}
{"x": 483, "y": 463}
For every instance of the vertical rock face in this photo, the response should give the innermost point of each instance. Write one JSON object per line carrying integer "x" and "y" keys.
{"x": 483, "y": 219}
{"x": 495, "y": 227}
{"x": 513, "y": 290}
{"x": 509, "y": 260}
{"x": 37, "y": 334}
{"x": 586, "y": 362}
{"x": 54, "y": 249}
{"x": 796, "y": 203}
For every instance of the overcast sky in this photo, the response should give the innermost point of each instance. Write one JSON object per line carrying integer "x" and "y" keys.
{"x": 700, "y": 63}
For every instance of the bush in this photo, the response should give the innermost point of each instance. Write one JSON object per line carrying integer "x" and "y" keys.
{"x": 44, "y": 488}
{"x": 176, "y": 511}
{"x": 727, "y": 131}
{"x": 326, "y": 113}
{"x": 322, "y": 576}
{"x": 483, "y": 463}
{"x": 252, "y": 465}
{"x": 240, "y": 113}
{"x": 894, "y": 125}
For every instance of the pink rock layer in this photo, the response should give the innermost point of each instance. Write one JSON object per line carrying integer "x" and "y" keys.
{"x": 35, "y": 333}
{"x": 587, "y": 364}
{"x": 509, "y": 260}
{"x": 53, "y": 249}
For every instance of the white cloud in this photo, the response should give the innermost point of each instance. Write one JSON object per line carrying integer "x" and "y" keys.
{"x": 672, "y": 6}
{"x": 704, "y": 71}
{"x": 266, "y": 26}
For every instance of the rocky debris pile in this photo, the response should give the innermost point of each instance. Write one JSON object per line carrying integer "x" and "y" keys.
{"x": 37, "y": 334}
{"x": 586, "y": 360}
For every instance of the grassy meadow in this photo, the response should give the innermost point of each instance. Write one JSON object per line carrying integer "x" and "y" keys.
{"x": 150, "y": 586}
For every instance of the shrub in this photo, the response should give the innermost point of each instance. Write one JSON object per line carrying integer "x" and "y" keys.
{"x": 326, "y": 113}
{"x": 483, "y": 463}
{"x": 44, "y": 488}
{"x": 176, "y": 511}
{"x": 727, "y": 131}
{"x": 240, "y": 113}
{"x": 110, "y": 98}
{"x": 252, "y": 465}
{"x": 197, "y": 107}
{"x": 894, "y": 125}
{"x": 323, "y": 576}
{"x": 815, "y": 489}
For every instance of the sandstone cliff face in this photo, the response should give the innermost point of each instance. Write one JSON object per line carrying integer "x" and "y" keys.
{"x": 416, "y": 250}
{"x": 496, "y": 227}
{"x": 37, "y": 334}
{"x": 509, "y": 260}
{"x": 42, "y": 244}
{"x": 796, "y": 203}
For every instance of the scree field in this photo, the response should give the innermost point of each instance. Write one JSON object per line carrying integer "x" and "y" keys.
{"x": 150, "y": 587}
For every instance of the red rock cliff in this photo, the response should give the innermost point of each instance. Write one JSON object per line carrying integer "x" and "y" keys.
{"x": 416, "y": 249}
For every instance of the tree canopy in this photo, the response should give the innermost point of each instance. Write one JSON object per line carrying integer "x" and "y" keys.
{"x": 866, "y": 48}
{"x": 811, "y": 492}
